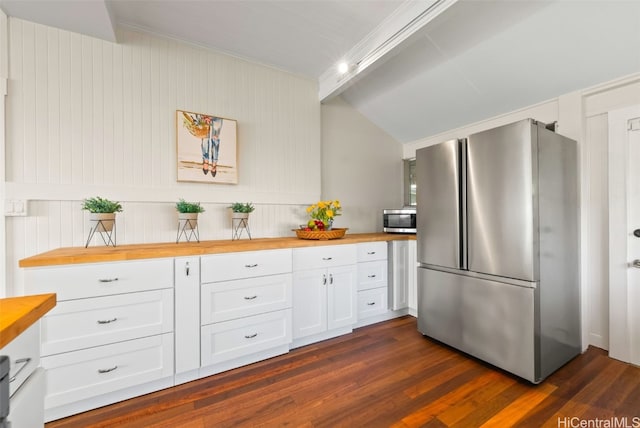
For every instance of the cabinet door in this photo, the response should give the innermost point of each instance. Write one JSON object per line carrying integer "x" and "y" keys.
{"x": 400, "y": 278}
{"x": 309, "y": 302}
{"x": 342, "y": 305}
{"x": 412, "y": 277}
{"x": 187, "y": 310}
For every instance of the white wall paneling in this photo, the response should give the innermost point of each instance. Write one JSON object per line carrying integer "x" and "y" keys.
{"x": 88, "y": 117}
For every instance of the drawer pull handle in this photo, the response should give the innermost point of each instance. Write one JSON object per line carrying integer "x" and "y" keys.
{"x": 324, "y": 279}
{"x": 371, "y": 303}
{"x": 108, "y": 321}
{"x": 250, "y": 336}
{"x": 108, "y": 279}
{"x": 251, "y": 266}
{"x": 327, "y": 258}
{"x": 107, "y": 370}
{"x": 330, "y": 278}
{"x": 250, "y": 297}
{"x": 371, "y": 252}
{"x": 186, "y": 269}
{"x": 371, "y": 276}
{"x": 25, "y": 362}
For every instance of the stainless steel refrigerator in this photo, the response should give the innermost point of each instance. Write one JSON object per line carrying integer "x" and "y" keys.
{"x": 498, "y": 247}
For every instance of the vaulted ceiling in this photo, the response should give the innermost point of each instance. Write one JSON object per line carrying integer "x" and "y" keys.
{"x": 466, "y": 61}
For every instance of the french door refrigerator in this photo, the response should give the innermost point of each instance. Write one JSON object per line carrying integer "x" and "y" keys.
{"x": 498, "y": 254}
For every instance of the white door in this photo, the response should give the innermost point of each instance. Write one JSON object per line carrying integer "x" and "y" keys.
{"x": 624, "y": 245}
{"x": 633, "y": 241}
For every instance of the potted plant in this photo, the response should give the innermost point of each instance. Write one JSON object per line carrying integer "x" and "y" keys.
{"x": 102, "y": 212}
{"x": 241, "y": 210}
{"x": 188, "y": 214}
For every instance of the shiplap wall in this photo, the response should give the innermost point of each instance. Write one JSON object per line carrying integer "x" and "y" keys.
{"x": 88, "y": 117}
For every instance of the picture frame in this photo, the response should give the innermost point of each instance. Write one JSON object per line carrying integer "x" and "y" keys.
{"x": 206, "y": 147}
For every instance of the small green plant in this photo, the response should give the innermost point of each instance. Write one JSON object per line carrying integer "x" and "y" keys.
{"x": 189, "y": 207}
{"x": 240, "y": 207}
{"x": 101, "y": 205}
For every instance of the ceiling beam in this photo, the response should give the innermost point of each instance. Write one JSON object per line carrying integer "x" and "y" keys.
{"x": 377, "y": 46}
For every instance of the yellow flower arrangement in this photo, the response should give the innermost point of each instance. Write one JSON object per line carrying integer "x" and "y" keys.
{"x": 323, "y": 212}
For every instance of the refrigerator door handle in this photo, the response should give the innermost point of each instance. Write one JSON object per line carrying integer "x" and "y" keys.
{"x": 463, "y": 204}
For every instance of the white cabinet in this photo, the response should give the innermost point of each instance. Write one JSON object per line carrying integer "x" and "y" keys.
{"x": 324, "y": 292}
{"x": 403, "y": 255}
{"x": 373, "y": 287}
{"x": 187, "y": 318}
{"x": 110, "y": 337}
{"x": 245, "y": 308}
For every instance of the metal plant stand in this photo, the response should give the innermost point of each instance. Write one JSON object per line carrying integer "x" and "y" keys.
{"x": 188, "y": 229}
{"x": 239, "y": 225}
{"x": 108, "y": 236}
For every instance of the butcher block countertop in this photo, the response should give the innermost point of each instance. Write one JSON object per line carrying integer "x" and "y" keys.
{"x": 77, "y": 255}
{"x": 19, "y": 313}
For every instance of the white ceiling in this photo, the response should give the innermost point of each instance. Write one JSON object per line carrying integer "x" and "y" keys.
{"x": 477, "y": 59}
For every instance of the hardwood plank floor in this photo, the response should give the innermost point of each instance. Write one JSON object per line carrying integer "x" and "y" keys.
{"x": 384, "y": 375}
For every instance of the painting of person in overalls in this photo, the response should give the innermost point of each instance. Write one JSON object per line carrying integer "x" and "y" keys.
{"x": 211, "y": 146}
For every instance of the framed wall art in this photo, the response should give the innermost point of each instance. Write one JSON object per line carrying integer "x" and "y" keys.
{"x": 207, "y": 148}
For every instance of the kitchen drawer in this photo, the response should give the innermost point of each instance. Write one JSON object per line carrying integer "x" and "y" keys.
{"x": 372, "y": 302}
{"x": 232, "y": 339}
{"x": 372, "y": 274}
{"x": 24, "y": 356}
{"x": 324, "y": 256}
{"x": 369, "y": 251}
{"x": 225, "y": 267}
{"x": 78, "y": 375}
{"x": 100, "y": 279}
{"x": 78, "y": 324}
{"x": 223, "y": 301}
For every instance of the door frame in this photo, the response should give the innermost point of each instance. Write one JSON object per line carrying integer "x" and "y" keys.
{"x": 619, "y": 310}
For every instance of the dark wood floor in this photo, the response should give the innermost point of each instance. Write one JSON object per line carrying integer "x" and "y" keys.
{"x": 383, "y": 375}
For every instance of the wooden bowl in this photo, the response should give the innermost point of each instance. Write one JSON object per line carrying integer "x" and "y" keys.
{"x": 334, "y": 233}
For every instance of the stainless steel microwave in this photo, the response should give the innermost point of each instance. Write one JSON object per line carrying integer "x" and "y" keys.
{"x": 399, "y": 221}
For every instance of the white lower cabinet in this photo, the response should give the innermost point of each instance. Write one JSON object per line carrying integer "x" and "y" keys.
{"x": 402, "y": 278}
{"x": 324, "y": 298}
{"x": 373, "y": 282}
{"x": 245, "y": 308}
{"x": 110, "y": 337}
{"x": 114, "y": 335}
